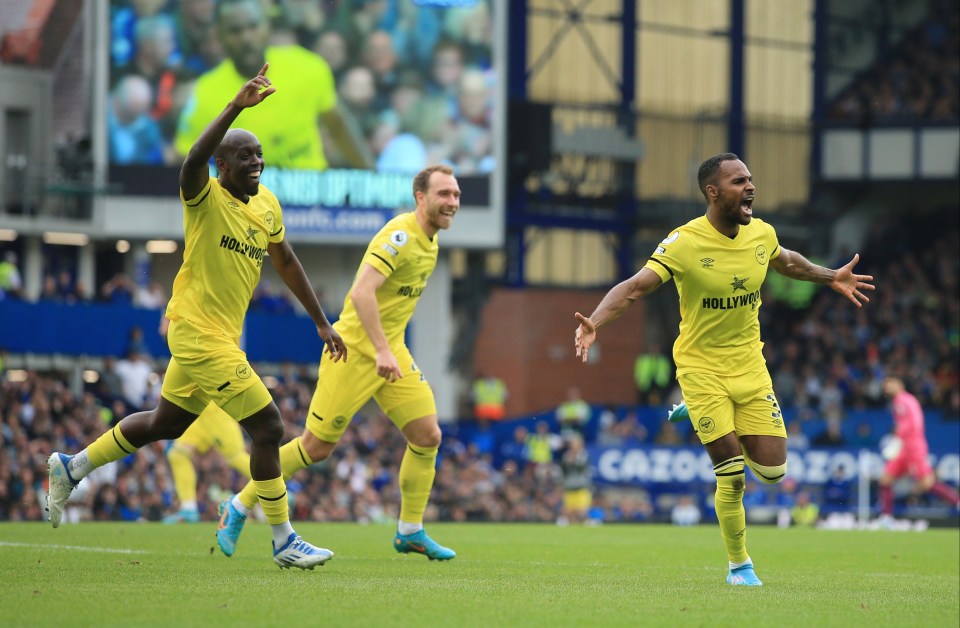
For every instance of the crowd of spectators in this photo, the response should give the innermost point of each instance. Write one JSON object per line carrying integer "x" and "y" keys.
{"x": 415, "y": 81}
{"x": 827, "y": 357}
{"x": 917, "y": 81}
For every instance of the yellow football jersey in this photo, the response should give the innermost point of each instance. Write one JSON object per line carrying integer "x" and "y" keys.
{"x": 402, "y": 253}
{"x": 286, "y": 123}
{"x": 225, "y": 243}
{"x": 719, "y": 281}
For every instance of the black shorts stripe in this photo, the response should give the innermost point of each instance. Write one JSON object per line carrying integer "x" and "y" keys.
{"x": 202, "y": 198}
{"x": 384, "y": 261}
{"x": 114, "y": 434}
{"x": 653, "y": 259}
{"x": 220, "y": 389}
{"x": 273, "y": 499}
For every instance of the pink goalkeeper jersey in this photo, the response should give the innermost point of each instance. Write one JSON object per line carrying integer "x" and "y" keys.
{"x": 908, "y": 424}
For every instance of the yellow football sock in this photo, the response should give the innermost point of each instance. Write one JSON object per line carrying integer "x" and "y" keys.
{"x": 417, "y": 471}
{"x": 273, "y": 499}
{"x": 241, "y": 462}
{"x": 109, "y": 447}
{"x": 184, "y": 473}
{"x": 293, "y": 457}
{"x": 729, "y": 505}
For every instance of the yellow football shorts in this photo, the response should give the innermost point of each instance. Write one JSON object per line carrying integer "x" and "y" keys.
{"x": 214, "y": 428}
{"x": 744, "y": 404}
{"x": 209, "y": 366}
{"x": 577, "y": 500}
{"x": 344, "y": 387}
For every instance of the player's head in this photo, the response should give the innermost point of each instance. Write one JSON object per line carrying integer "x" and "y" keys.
{"x": 240, "y": 162}
{"x": 131, "y": 98}
{"x": 244, "y": 31}
{"x": 437, "y": 194}
{"x": 892, "y": 386}
{"x": 727, "y": 185}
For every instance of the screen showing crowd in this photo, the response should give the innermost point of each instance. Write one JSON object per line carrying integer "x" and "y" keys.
{"x": 377, "y": 85}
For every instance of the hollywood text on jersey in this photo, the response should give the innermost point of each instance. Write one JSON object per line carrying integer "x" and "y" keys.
{"x": 731, "y": 303}
{"x": 253, "y": 252}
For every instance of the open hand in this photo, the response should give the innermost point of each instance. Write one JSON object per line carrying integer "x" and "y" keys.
{"x": 851, "y": 285}
{"x": 584, "y": 337}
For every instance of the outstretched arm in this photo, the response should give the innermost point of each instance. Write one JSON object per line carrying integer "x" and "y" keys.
{"x": 612, "y": 306}
{"x": 843, "y": 280}
{"x": 194, "y": 172}
{"x": 291, "y": 271}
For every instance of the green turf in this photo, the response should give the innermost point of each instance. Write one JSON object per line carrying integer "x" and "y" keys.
{"x": 504, "y": 575}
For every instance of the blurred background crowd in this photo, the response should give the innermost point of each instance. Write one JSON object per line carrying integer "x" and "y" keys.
{"x": 413, "y": 83}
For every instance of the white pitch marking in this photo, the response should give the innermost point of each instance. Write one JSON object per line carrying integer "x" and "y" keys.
{"x": 81, "y": 548}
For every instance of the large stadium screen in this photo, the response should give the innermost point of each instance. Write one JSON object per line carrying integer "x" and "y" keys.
{"x": 368, "y": 93}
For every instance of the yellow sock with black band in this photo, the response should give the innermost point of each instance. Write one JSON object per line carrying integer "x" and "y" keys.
{"x": 293, "y": 457}
{"x": 112, "y": 445}
{"x": 728, "y": 503}
{"x": 417, "y": 471}
{"x": 273, "y": 500}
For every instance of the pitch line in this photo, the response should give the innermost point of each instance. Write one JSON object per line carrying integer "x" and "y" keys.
{"x": 79, "y": 548}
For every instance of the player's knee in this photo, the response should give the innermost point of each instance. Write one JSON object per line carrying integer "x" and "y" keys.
{"x": 318, "y": 450}
{"x": 265, "y": 427}
{"x": 428, "y": 438}
{"x": 769, "y": 474}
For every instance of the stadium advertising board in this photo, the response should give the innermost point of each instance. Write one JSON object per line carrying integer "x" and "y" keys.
{"x": 368, "y": 93}
{"x": 643, "y": 465}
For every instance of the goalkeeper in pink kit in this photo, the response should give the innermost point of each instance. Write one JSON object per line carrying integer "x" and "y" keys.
{"x": 912, "y": 457}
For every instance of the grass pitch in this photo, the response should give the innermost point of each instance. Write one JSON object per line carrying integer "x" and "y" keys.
{"x": 504, "y": 575}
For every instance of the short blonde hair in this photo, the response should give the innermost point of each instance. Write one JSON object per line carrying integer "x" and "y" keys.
{"x": 421, "y": 182}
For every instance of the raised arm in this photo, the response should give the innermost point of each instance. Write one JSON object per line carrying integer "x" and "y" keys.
{"x": 842, "y": 280}
{"x": 364, "y": 296}
{"x": 194, "y": 172}
{"x": 612, "y": 306}
{"x": 288, "y": 266}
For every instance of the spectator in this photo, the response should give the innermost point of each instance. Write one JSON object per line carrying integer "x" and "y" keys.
{"x": 652, "y": 373}
{"x": 11, "y": 285}
{"x": 831, "y": 436}
{"x": 573, "y": 414}
{"x": 795, "y": 436}
{"x": 836, "y": 491}
{"x": 577, "y": 494}
{"x": 119, "y": 290}
{"x": 804, "y": 512}
{"x": 134, "y": 372}
{"x": 150, "y": 295}
{"x": 489, "y": 398}
{"x": 685, "y": 512}
{"x": 515, "y": 450}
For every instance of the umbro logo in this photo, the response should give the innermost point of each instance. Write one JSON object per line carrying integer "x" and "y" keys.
{"x": 707, "y": 262}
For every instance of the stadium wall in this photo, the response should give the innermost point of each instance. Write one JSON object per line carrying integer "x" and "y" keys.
{"x": 526, "y": 338}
